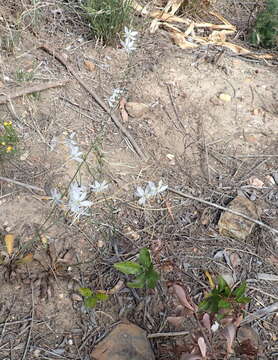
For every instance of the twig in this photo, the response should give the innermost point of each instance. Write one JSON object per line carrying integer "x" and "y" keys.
{"x": 5, "y": 97}
{"x": 168, "y": 334}
{"x": 187, "y": 196}
{"x": 271, "y": 309}
{"x": 27, "y": 186}
{"x": 98, "y": 100}
{"x": 26, "y": 348}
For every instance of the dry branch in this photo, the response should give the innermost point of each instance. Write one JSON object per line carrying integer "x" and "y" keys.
{"x": 14, "y": 93}
{"x": 98, "y": 100}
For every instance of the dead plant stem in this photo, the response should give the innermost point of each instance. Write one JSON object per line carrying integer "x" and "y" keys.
{"x": 98, "y": 100}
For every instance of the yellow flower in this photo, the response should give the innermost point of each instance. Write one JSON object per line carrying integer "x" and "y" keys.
{"x": 9, "y": 149}
{"x": 3, "y": 143}
{"x": 8, "y": 123}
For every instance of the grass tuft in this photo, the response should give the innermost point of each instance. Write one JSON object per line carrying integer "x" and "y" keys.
{"x": 107, "y": 18}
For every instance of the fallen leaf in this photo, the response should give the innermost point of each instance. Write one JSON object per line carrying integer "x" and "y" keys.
{"x": 211, "y": 282}
{"x": 123, "y": 111}
{"x": 229, "y": 333}
{"x": 26, "y": 259}
{"x": 9, "y": 241}
{"x": 206, "y": 321}
{"x": 175, "y": 321}
{"x": 235, "y": 259}
{"x": 179, "y": 291}
{"x": 257, "y": 183}
{"x": 202, "y": 346}
{"x": 120, "y": 284}
{"x": 90, "y": 66}
{"x": 273, "y": 260}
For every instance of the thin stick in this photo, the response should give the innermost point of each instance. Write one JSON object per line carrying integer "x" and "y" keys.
{"x": 26, "y": 348}
{"x": 168, "y": 334}
{"x": 98, "y": 100}
{"x": 5, "y": 97}
{"x": 187, "y": 196}
{"x": 27, "y": 186}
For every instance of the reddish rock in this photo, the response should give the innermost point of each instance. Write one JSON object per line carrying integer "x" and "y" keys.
{"x": 125, "y": 342}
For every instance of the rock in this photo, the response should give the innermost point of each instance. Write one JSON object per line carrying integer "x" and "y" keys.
{"x": 235, "y": 226}
{"x": 125, "y": 342}
{"x": 136, "y": 109}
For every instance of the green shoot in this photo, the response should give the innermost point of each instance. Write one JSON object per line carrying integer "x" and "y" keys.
{"x": 90, "y": 298}
{"x": 145, "y": 275}
{"x": 223, "y": 298}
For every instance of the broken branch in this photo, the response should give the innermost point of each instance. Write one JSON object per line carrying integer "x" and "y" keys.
{"x": 14, "y": 93}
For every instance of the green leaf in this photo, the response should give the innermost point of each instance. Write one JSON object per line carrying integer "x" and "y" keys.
{"x": 240, "y": 290}
{"x": 223, "y": 287}
{"x": 204, "y": 305}
{"x": 151, "y": 279}
{"x": 145, "y": 258}
{"x": 101, "y": 296}
{"x": 219, "y": 316}
{"x": 213, "y": 303}
{"x": 90, "y": 301}
{"x": 243, "y": 300}
{"x": 86, "y": 292}
{"x": 128, "y": 267}
{"x": 139, "y": 282}
{"x": 223, "y": 304}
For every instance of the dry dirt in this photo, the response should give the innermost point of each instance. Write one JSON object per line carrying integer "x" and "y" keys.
{"x": 195, "y": 141}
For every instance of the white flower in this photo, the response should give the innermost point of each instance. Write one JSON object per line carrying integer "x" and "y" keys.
{"x": 56, "y": 196}
{"x": 77, "y": 203}
{"x": 151, "y": 190}
{"x": 75, "y": 154}
{"x": 99, "y": 187}
{"x": 129, "y": 43}
{"x": 70, "y": 140}
{"x": 129, "y": 34}
{"x": 161, "y": 187}
{"x": 140, "y": 192}
{"x": 114, "y": 97}
{"x": 215, "y": 326}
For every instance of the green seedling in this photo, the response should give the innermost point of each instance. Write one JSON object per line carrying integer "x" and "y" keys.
{"x": 145, "y": 275}
{"x": 8, "y": 139}
{"x": 224, "y": 299}
{"x": 107, "y": 18}
{"x": 91, "y": 298}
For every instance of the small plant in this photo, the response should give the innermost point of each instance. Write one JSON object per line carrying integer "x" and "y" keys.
{"x": 8, "y": 139}
{"x": 108, "y": 17}
{"x": 145, "y": 274}
{"x": 11, "y": 260}
{"x": 22, "y": 76}
{"x": 222, "y": 298}
{"x": 91, "y": 298}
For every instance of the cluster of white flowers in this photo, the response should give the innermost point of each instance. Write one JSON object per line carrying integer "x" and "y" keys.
{"x": 129, "y": 43}
{"x": 150, "y": 191}
{"x": 75, "y": 153}
{"x": 114, "y": 97}
{"x": 77, "y": 197}
{"x": 78, "y": 204}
